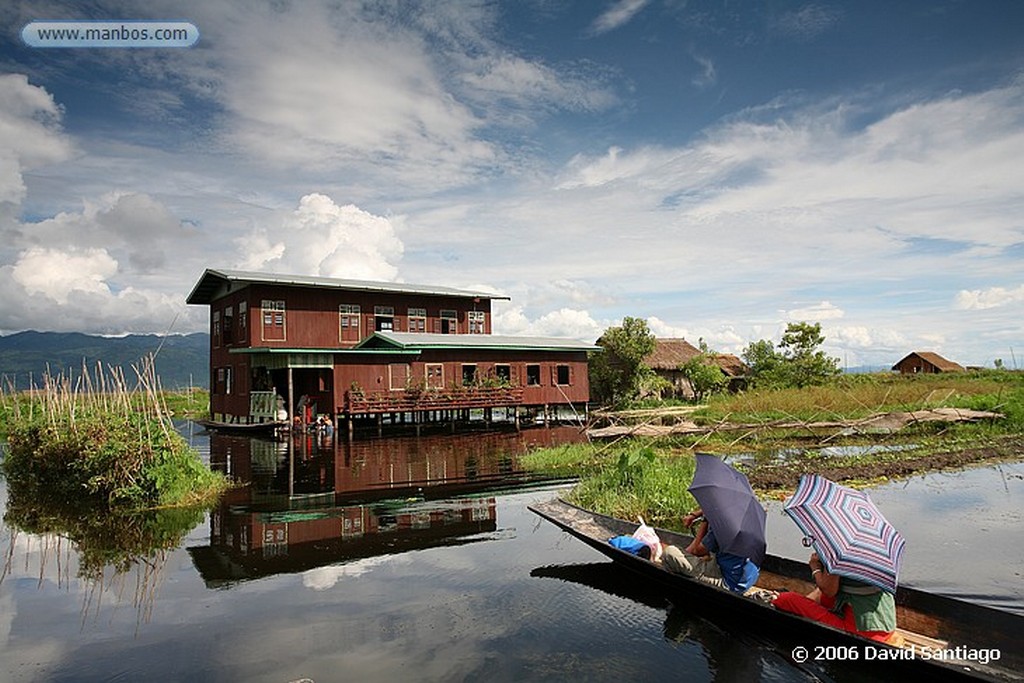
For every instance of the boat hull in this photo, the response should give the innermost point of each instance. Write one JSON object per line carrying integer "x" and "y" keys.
{"x": 936, "y": 625}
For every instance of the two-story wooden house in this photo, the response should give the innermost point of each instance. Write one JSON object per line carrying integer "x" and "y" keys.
{"x": 349, "y": 348}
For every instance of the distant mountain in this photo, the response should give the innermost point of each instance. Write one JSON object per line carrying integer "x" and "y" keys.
{"x": 183, "y": 360}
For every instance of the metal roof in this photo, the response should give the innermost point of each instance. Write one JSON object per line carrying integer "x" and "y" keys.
{"x": 213, "y": 282}
{"x": 416, "y": 340}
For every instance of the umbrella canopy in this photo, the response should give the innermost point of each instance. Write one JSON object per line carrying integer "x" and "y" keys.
{"x": 848, "y": 532}
{"x": 734, "y": 515}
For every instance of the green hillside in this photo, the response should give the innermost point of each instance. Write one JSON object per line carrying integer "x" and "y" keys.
{"x": 183, "y": 360}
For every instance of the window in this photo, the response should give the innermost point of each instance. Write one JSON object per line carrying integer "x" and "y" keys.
{"x": 220, "y": 381}
{"x": 468, "y": 374}
{"x": 503, "y": 373}
{"x": 229, "y": 325}
{"x": 449, "y": 321}
{"x": 435, "y": 375}
{"x": 243, "y": 332}
{"x": 227, "y": 380}
{"x": 417, "y": 319}
{"x": 216, "y": 329}
{"x": 348, "y": 323}
{"x": 532, "y": 375}
{"x": 476, "y": 321}
{"x": 383, "y": 318}
{"x": 562, "y": 374}
{"x": 273, "y": 320}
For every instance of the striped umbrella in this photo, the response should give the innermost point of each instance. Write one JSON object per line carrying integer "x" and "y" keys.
{"x": 848, "y": 532}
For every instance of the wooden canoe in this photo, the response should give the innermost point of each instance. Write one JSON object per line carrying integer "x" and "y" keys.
{"x": 943, "y": 638}
{"x": 244, "y": 427}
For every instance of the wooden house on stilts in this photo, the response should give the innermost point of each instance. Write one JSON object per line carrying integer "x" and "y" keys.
{"x": 295, "y": 346}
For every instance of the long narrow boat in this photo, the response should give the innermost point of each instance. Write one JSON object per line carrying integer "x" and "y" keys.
{"x": 943, "y": 638}
{"x": 272, "y": 427}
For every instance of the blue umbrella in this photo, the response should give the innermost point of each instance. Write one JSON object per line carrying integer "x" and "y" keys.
{"x": 734, "y": 515}
{"x": 848, "y": 532}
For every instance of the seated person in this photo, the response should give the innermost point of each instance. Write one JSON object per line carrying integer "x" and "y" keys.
{"x": 703, "y": 561}
{"x": 843, "y": 603}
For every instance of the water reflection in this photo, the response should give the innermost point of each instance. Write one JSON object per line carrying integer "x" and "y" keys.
{"x": 731, "y": 655}
{"x": 109, "y": 550}
{"x": 310, "y": 501}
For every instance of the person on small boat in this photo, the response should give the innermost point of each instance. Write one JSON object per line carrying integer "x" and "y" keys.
{"x": 702, "y": 559}
{"x": 843, "y": 603}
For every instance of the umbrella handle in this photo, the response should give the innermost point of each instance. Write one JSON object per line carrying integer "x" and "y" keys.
{"x": 807, "y": 541}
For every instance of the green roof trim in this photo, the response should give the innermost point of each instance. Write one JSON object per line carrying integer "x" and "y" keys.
{"x": 364, "y": 352}
{"x": 464, "y": 342}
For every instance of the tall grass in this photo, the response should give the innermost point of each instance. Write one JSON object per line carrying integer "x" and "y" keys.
{"x": 859, "y": 396}
{"x": 98, "y": 437}
{"x": 628, "y": 481}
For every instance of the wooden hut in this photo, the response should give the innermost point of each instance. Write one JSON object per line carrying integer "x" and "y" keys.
{"x": 297, "y": 345}
{"x": 925, "y": 362}
{"x": 670, "y": 354}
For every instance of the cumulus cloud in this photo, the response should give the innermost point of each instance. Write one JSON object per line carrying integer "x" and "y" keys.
{"x": 567, "y": 323}
{"x": 57, "y": 274}
{"x": 993, "y": 297}
{"x": 30, "y": 133}
{"x": 660, "y": 328}
{"x": 321, "y": 238}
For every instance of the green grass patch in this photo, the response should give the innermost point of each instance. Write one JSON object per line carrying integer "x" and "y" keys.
{"x": 97, "y": 441}
{"x": 630, "y": 481}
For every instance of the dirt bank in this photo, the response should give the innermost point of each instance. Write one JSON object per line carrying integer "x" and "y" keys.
{"x": 778, "y": 477}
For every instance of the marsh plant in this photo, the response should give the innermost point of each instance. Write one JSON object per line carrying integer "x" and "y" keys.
{"x": 95, "y": 438}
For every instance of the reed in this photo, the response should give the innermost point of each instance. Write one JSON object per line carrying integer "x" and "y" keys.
{"x": 97, "y": 436}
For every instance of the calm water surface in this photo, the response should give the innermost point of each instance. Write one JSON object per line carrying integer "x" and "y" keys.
{"x": 406, "y": 559}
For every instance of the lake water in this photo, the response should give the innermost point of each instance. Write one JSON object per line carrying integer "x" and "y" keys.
{"x": 406, "y": 559}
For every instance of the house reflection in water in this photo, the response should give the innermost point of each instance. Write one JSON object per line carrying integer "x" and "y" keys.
{"x": 309, "y": 502}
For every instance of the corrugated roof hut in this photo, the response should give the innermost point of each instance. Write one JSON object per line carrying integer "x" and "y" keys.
{"x": 928, "y": 362}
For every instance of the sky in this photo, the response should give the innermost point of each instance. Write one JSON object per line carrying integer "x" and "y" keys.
{"x": 720, "y": 168}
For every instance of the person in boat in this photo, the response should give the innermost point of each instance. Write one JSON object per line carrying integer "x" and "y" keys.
{"x": 843, "y": 603}
{"x": 703, "y": 560}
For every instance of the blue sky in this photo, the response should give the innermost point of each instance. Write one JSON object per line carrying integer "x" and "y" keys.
{"x": 719, "y": 168}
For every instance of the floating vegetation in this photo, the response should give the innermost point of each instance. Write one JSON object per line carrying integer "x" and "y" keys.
{"x": 97, "y": 439}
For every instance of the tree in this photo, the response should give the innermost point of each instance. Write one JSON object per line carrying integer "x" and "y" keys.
{"x": 703, "y": 373}
{"x": 765, "y": 363}
{"x": 797, "y": 362}
{"x": 618, "y": 372}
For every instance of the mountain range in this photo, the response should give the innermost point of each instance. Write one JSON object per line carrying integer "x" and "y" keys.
{"x": 182, "y": 360}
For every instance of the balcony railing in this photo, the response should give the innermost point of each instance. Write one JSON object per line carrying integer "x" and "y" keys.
{"x": 415, "y": 400}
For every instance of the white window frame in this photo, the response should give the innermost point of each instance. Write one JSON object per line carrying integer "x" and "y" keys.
{"x": 350, "y": 312}
{"x": 477, "y": 321}
{"x": 275, "y": 309}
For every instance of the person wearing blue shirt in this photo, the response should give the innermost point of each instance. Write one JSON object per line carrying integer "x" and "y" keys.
{"x": 703, "y": 561}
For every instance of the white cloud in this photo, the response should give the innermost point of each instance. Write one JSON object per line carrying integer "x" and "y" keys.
{"x": 57, "y": 274}
{"x": 30, "y": 133}
{"x": 619, "y": 14}
{"x": 824, "y": 310}
{"x": 993, "y": 297}
{"x": 659, "y": 328}
{"x": 321, "y": 238}
{"x": 566, "y": 323}
{"x": 708, "y": 75}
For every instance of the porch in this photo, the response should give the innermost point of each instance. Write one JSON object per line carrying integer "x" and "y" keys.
{"x": 420, "y": 401}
